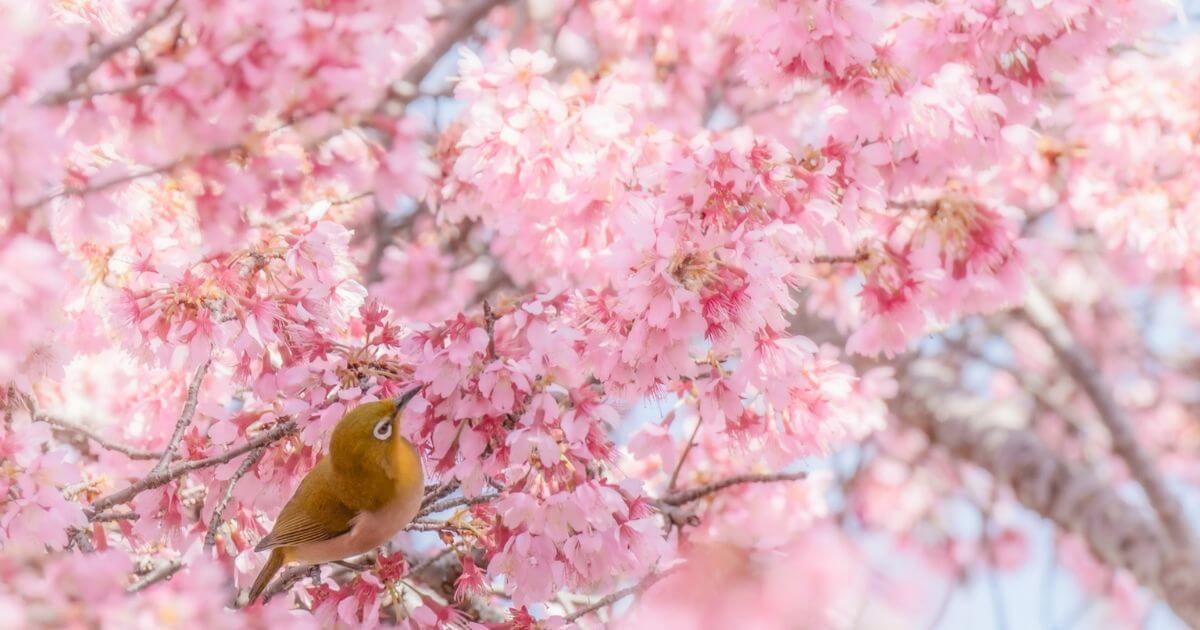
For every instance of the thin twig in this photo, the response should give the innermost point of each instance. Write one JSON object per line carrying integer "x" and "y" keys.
{"x": 687, "y": 496}
{"x": 128, "y": 451}
{"x": 616, "y": 596}
{"x": 999, "y": 619}
{"x": 210, "y": 538}
{"x": 683, "y": 456}
{"x": 78, "y": 191}
{"x": 446, "y": 504}
{"x": 185, "y": 419}
{"x": 428, "y": 526}
{"x": 943, "y": 605}
{"x": 489, "y": 322}
{"x": 853, "y": 259}
{"x": 180, "y": 469}
{"x": 115, "y": 516}
{"x": 439, "y": 492}
{"x": 123, "y": 88}
{"x": 428, "y": 562}
{"x": 290, "y": 577}
{"x": 80, "y": 72}
{"x": 162, "y": 572}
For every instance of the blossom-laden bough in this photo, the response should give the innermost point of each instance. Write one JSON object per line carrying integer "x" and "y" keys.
{"x": 746, "y": 312}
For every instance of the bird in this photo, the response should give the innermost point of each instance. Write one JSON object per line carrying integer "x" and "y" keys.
{"x": 368, "y": 487}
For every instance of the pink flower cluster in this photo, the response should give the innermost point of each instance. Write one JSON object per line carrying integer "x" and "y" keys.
{"x": 286, "y": 294}
{"x": 634, "y": 258}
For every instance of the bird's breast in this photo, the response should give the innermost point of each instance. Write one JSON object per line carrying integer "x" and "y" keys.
{"x": 376, "y": 527}
{"x": 369, "y": 529}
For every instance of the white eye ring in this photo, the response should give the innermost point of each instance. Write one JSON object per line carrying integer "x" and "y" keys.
{"x": 383, "y": 429}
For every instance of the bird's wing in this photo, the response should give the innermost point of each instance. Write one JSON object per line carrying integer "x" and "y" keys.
{"x": 313, "y": 514}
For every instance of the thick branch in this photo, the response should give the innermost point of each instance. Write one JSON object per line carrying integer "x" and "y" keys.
{"x": 459, "y": 27}
{"x": 185, "y": 419}
{"x": 1077, "y": 502}
{"x": 1040, "y": 312}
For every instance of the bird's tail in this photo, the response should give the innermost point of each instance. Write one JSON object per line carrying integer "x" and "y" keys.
{"x": 264, "y": 576}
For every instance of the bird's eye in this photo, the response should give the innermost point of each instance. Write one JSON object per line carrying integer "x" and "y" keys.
{"x": 383, "y": 430}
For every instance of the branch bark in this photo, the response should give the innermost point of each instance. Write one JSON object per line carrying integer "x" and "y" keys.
{"x": 615, "y": 596}
{"x": 162, "y": 572}
{"x": 694, "y": 494}
{"x": 128, "y": 451}
{"x": 185, "y": 419}
{"x": 1077, "y": 502}
{"x": 80, "y": 72}
{"x": 446, "y": 504}
{"x": 1043, "y": 316}
{"x": 210, "y": 537}
{"x": 400, "y": 94}
{"x": 181, "y": 469}
{"x": 460, "y": 26}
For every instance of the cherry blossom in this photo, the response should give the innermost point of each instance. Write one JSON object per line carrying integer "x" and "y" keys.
{"x": 760, "y": 312}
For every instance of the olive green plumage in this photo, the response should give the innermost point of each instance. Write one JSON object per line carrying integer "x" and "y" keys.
{"x": 369, "y": 471}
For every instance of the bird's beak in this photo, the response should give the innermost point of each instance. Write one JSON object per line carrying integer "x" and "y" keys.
{"x": 407, "y": 396}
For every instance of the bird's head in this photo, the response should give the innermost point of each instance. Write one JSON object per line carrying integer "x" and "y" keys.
{"x": 367, "y": 440}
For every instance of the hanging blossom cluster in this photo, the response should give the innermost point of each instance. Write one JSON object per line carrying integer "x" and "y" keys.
{"x": 650, "y": 263}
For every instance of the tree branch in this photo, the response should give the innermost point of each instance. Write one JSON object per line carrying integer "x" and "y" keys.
{"x": 162, "y": 572}
{"x": 615, "y": 596}
{"x": 107, "y": 517}
{"x": 128, "y": 451}
{"x": 433, "y": 493}
{"x": 185, "y": 419}
{"x": 181, "y": 469}
{"x": 460, "y": 26}
{"x": 683, "y": 456}
{"x": 210, "y": 537}
{"x": 446, "y": 504}
{"x": 846, "y": 260}
{"x": 1076, "y": 501}
{"x": 402, "y": 93}
{"x": 80, "y": 72}
{"x": 1043, "y": 316}
{"x": 693, "y": 494}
